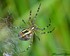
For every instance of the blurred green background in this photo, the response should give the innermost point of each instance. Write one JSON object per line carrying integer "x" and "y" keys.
{"x": 53, "y": 44}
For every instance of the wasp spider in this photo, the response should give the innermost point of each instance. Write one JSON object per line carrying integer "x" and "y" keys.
{"x": 29, "y": 32}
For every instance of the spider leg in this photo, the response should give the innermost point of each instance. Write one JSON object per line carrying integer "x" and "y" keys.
{"x": 49, "y": 23}
{"x": 30, "y": 15}
{"x": 45, "y": 27}
{"x": 37, "y": 37}
{"x": 31, "y": 42}
{"x": 33, "y": 21}
{"x": 51, "y": 30}
{"x": 37, "y": 10}
{"x": 27, "y": 47}
{"x": 23, "y": 21}
{"x": 49, "y": 26}
{"x": 48, "y": 31}
{"x": 30, "y": 19}
{"x": 42, "y": 29}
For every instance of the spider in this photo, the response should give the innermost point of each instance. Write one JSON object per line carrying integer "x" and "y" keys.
{"x": 29, "y": 32}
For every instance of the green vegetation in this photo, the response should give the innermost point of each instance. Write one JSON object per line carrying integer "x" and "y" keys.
{"x": 56, "y": 43}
